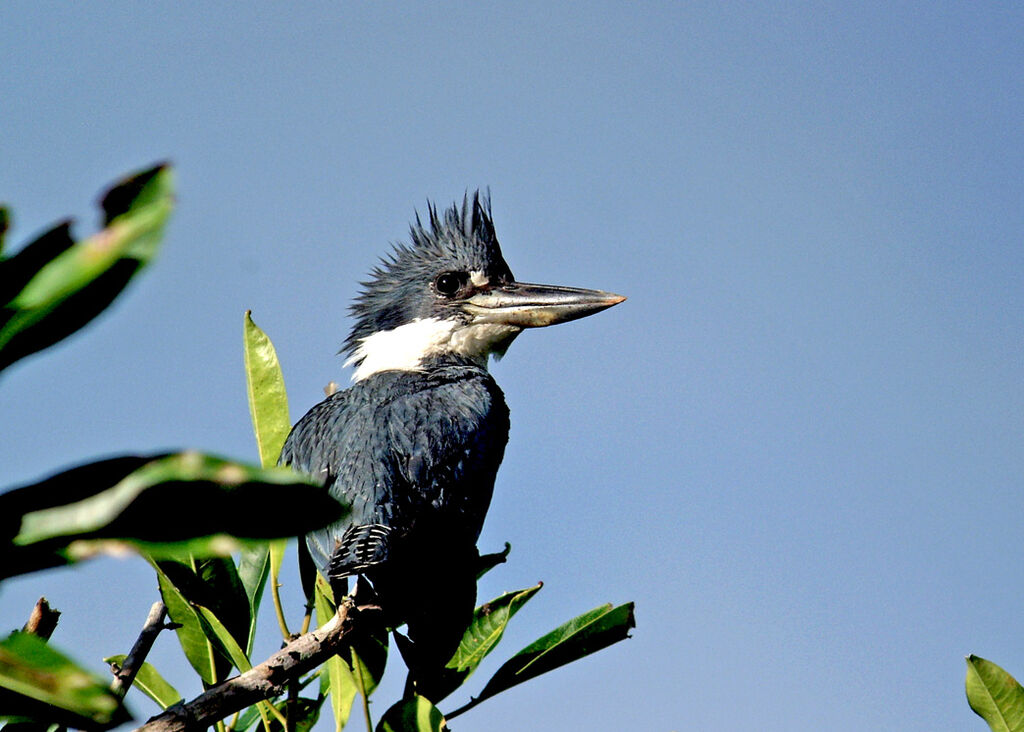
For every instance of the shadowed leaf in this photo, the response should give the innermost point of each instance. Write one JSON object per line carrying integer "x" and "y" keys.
{"x": 416, "y": 714}
{"x": 994, "y": 695}
{"x": 5, "y": 224}
{"x": 490, "y": 561}
{"x": 197, "y": 646}
{"x": 38, "y": 682}
{"x": 166, "y": 505}
{"x": 253, "y": 570}
{"x": 303, "y": 714}
{"x": 150, "y": 682}
{"x": 61, "y": 285}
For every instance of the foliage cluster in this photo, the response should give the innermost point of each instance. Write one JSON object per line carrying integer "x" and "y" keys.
{"x": 212, "y": 566}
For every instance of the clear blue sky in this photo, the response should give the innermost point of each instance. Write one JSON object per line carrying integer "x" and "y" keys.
{"x": 797, "y": 446}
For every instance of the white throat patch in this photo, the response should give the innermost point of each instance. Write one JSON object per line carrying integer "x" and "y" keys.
{"x": 404, "y": 348}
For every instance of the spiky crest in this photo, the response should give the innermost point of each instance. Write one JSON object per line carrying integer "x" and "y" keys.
{"x": 459, "y": 238}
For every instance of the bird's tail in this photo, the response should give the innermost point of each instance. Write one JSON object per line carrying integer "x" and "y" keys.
{"x": 359, "y": 549}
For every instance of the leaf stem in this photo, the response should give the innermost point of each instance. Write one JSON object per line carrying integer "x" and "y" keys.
{"x": 358, "y": 668}
{"x": 275, "y": 591}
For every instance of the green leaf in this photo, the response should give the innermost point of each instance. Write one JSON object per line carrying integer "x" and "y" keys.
{"x": 18, "y": 271}
{"x": 481, "y": 636}
{"x": 234, "y": 651}
{"x": 415, "y": 714}
{"x": 238, "y": 657}
{"x": 337, "y": 680}
{"x": 994, "y": 695}
{"x": 149, "y": 681}
{"x": 486, "y": 628}
{"x": 38, "y": 682}
{"x": 569, "y": 642}
{"x": 165, "y": 505}
{"x": 211, "y": 588}
{"x": 253, "y": 570}
{"x": 198, "y": 648}
{"x": 60, "y": 293}
{"x": 268, "y": 402}
{"x": 304, "y": 714}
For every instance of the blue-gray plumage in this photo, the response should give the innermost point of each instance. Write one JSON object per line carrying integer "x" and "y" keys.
{"x": 415, "y": 444}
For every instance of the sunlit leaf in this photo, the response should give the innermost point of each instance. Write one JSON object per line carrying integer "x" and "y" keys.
{"x": 253, "y": 570}
{"x": 234, "y": 651}
{"x": 149, "y": 681}
{"x": 484, "y": 632}
{"x": 994, "y": 695}
{"x": 197, "y": 646}
{"x": 571, "y": 641}
{"x": 38, "y": 682}
{"x": 486, "y": 628}
{"x": 415, "y": 714}
{"x": 337, "y": 680}
{"x": 268, "y": 402}
{"x": 59, "y": 293}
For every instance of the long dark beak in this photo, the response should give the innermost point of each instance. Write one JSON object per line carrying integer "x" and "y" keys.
{"x": 533, "y": 306}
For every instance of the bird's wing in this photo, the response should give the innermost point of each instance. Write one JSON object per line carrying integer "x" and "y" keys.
{"x": 406, "y": 450}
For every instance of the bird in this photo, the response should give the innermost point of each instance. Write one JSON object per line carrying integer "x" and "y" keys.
{"x": 413, "y": 446}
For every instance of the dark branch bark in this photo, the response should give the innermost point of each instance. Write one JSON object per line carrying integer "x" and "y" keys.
{"x": 264, "y": 681}
{"x": 43, "y": 620}
{"x": 124, "y": 676}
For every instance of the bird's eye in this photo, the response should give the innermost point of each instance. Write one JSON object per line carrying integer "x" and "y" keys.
{"x": 449, "y": 283}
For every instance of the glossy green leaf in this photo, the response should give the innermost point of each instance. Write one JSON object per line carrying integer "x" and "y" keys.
{"x": 303, "y": 714}
{"x": 192, "y": 636}
{"x": 223, "y": 635}
{"x": 209, "y": 586}
{"x": 40, "y": 683}
{"x": 230, "y": 646}
{"x": 994, "y": 695}
{"x": 61, "y": 293}
{"x": 336, "y": 680}
{"x": 415, "y": 714}
{"x": 167, "y": 505}
{"x": 149, "y": 681}
{"x": 268, "y": 402}
{"x": 253, "y": 570}
{"x": 486, "y": 628}
{"x": 571, "y": 641}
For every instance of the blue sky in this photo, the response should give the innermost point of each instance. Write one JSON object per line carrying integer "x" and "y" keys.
{"x": 797, "y": 446}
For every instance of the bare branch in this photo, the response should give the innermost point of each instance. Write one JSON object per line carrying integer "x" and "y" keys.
{"x": 43, "y": 620}
{"x": 264, "y": 681}
{"x": 124, "y": 677}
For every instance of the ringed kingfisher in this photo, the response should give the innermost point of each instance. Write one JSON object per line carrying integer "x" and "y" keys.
{"x": 413, "y": 446}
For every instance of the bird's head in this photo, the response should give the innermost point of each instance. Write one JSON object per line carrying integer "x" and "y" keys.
{"x": 451, "y": 292}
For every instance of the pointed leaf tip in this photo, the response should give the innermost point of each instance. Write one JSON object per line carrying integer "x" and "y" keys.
{"x": 268, "y": 399}
{"x": 994, "y": 695}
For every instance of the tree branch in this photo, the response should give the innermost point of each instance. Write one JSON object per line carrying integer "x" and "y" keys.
{"x": 264, "y": 681}
{"x": 124, "y": 677}
{"x": 43, "y": 620}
